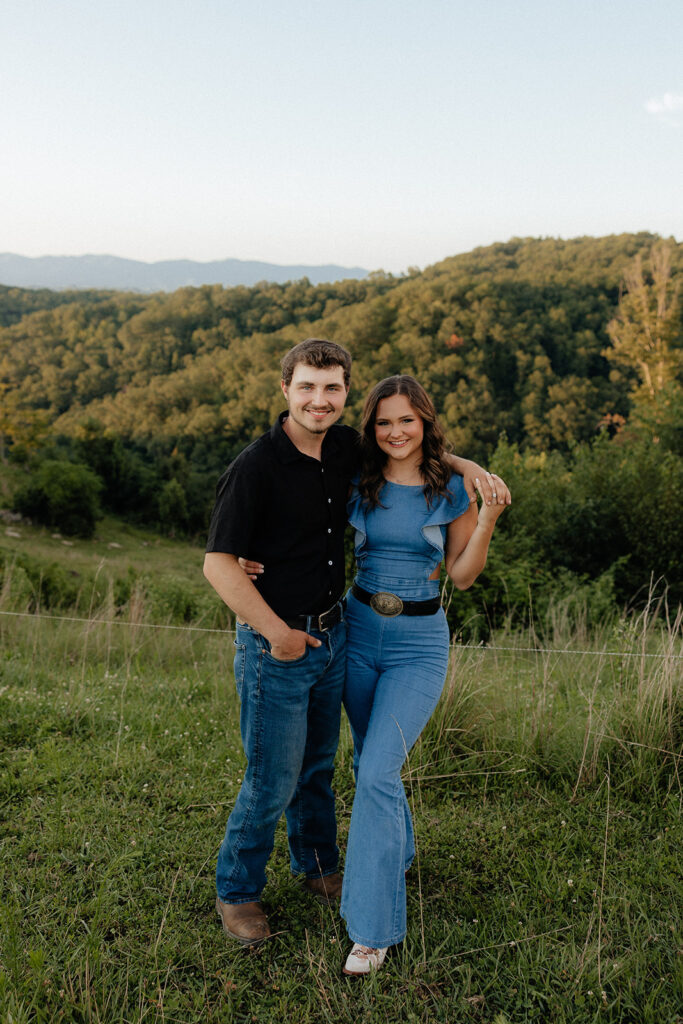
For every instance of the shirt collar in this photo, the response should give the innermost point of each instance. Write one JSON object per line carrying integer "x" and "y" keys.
{"x": 287, "y": 451}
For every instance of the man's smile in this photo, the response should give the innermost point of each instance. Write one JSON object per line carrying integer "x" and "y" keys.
{"x": 318, "y": 412}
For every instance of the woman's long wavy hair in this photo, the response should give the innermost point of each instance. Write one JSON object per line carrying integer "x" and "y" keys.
{"x": 434, "y": 468}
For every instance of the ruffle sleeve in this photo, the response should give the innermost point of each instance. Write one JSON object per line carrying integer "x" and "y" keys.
{"x": 443, "y": 511}
{"x": 451, "y": 506}
{"x": 355, "y": 512}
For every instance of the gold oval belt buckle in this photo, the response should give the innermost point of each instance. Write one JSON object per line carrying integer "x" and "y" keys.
{"x": 386, "y": 604}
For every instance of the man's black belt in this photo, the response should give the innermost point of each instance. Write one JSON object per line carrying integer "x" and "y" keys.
{"x": 390, "y": 605}
{"x": 324, "y": 621}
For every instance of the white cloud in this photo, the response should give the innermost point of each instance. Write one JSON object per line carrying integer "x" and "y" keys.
{"x": 664, "y": 106}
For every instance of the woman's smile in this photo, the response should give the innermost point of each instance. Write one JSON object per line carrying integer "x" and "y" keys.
{"x": 399, "y": 429}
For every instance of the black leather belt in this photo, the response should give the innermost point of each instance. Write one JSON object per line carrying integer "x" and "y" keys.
{"x": 324, "y": 621}
{"x": 389, "y": 605}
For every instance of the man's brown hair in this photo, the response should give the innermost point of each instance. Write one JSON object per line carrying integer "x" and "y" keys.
{"x": 319, "y": 353}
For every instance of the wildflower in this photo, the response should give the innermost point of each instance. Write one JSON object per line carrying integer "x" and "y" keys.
{"x": 570, "y": 882}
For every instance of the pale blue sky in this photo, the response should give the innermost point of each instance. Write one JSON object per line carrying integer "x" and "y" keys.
{"x": 379, "y": 134}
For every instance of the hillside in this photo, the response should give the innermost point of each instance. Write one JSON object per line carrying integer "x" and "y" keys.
{"x": 535, "y": 351}
{"x": 507, "y": 338}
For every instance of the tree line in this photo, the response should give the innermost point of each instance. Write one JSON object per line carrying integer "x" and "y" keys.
{"x": 545, "y": 357}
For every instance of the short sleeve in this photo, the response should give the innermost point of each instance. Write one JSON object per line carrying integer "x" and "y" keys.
{"x": 240, "y": 494}
{"x": 355, "y": 512}
{"x": 458, "y": 499}
{"x": 447, "y": 508}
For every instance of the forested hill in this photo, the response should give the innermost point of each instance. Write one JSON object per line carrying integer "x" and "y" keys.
{"x": 508, "y": 338}
{"x": 558, "y": 362}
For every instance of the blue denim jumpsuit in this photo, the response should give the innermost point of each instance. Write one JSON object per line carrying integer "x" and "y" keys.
{"x": 395, "y": 671}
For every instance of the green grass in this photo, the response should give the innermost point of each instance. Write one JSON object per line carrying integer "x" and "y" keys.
{"x": 116, "y": 547}
{"x": 546, "y": 794}
{"x": 547, "y": 886}
{"x": 122, "y": 570}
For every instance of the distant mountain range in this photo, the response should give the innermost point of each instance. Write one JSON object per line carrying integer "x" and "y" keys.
{"x": 62, "y": 272}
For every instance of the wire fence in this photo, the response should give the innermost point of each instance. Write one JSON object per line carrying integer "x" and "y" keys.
{"x": 482, "y": 646}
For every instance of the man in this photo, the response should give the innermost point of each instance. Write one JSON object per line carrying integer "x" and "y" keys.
{"x": 282, "y": 503}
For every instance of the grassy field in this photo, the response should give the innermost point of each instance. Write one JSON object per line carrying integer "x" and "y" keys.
{"x": 546, "y": 793}
{"x": 122, "y": 567}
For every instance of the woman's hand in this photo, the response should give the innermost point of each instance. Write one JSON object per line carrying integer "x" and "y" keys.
{"x": 474, "y": 477}
{"x": 252, "y": 569}
{"x": 500, "y": 499}
{"x": 469, "y": 535}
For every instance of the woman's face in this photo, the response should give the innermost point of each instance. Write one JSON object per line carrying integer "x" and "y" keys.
{"x": 398, "y": 427}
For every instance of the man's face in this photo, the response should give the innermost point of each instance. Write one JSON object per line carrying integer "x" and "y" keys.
{"x": 315, "y": 397}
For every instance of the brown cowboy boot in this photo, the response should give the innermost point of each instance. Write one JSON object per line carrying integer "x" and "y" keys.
{"x": 245, "y": 922}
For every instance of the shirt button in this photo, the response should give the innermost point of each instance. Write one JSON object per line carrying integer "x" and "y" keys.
{"x": 329, "y": 529}
{"x": 329, "y": 563}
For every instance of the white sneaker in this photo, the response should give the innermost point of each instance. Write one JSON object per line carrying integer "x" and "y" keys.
{"x": 363, "y": 959}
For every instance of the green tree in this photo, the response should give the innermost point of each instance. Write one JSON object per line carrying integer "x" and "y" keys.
{"x": 173, "y": 507}
{"x": 64, "y": 495}
{"x": 646, "y": 332}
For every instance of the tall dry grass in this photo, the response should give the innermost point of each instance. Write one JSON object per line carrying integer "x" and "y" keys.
{"x": 564, "y": 700}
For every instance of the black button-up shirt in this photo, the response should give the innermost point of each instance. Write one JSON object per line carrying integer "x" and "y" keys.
{"x": 285, "y": 509}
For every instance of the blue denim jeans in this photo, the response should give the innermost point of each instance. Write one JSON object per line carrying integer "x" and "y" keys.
{"x": 395, "y": 671}
{"x": 289, "y": 720}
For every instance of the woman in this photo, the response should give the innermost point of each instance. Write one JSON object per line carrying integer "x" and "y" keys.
{"x": 409, "y": 511}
